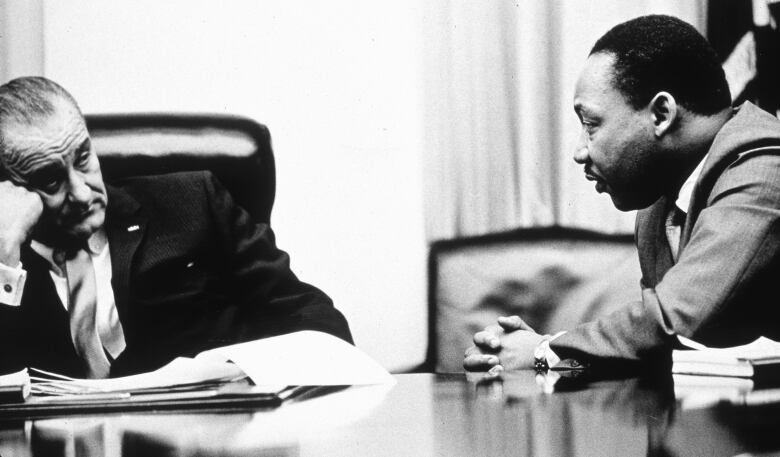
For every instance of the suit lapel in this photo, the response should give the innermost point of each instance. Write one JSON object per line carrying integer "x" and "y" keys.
{"x": 732, "y": 137}
{"x": 45, "y": 320}
{"x": 664, "y": 260}
{"x": 125, "y": 228}
{"x": 654, "y": 251}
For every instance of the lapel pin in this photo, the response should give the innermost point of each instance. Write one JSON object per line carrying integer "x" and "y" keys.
{"x": 133, "y": 228}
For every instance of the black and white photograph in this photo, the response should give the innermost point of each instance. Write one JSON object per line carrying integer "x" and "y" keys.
{"x": 408, "y": 228}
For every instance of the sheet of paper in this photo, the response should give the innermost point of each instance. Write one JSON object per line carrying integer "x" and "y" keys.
{"x": 761, "y": 348}
{"x": 302, "y": 358}
{"x": 15, "y": 386}
{"x": 15, "y": 379}
{"x": 180, "y": 371}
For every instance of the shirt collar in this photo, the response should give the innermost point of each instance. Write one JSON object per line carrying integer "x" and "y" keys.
{"x": 47, "y": 252}
{"x": 95, "y": 245}
{"x": 686, "y": 191}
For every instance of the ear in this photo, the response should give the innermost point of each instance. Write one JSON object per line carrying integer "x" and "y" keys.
{"x": 664, "y": 110}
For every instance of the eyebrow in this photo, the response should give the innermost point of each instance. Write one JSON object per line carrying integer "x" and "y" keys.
{"x": 85, "y": 145}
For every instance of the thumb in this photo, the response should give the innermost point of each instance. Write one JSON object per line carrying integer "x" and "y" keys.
{"x": 511, "y": 323}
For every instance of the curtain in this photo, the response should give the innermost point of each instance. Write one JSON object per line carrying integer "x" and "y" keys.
{"x": 499, "y": 125}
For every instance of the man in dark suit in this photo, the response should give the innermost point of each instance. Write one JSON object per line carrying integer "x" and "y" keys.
{"x": 660, "y": 135}
{"x": 99, "y": 280}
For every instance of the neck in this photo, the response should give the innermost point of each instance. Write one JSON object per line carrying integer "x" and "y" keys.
{"x": 694, "y": 139}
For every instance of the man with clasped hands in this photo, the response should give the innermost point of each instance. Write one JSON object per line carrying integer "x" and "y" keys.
{"x": 659, "y": 134}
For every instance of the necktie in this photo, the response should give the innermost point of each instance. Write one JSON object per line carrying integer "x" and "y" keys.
{"x": 675, "y": 218}
{"x": 82, "y": 305}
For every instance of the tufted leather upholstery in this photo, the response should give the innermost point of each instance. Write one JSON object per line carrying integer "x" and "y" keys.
{"x": 236, "y": 149}
{"x": 553, "y": 277}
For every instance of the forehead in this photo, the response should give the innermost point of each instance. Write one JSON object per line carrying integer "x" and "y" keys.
{"x": 49, "y": 132}
{"x": 594, "y": 89}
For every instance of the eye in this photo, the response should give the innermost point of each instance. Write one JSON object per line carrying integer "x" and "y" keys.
{"x": 588, "y": 126}
{"x": 82, "y": 159}
{"x": 47, "y": 180}
{"x": 50, "y": 185}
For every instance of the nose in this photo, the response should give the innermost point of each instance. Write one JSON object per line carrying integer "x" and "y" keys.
{"x": 78, "y": 191}
{"x": 581, "y": 151}
{"x": 581, "y": 155}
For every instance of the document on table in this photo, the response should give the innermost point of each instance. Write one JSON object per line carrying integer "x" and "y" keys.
{"x": 759, "y": 360}
{"x": 305, "y": 358}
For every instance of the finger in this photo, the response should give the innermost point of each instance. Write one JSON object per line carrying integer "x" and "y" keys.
{"x": 471, "y": 351}
{"x": 492, "y": 375}
{"x": 479, "y": 362}
{"x": 495, "y": 371}
{"x": 487, "y": 339}
{"x": 510, "y": 323}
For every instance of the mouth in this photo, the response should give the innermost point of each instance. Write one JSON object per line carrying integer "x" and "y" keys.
{"x": 82, "y": 214}
{"x": 601, "y": 185}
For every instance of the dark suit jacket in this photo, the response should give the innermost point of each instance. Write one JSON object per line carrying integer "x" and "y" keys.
{"x": 190, "y": 272}
{"x": 723, "y": 289}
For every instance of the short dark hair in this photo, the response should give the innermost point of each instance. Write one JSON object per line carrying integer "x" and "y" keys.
{"x": 662, "y": 53}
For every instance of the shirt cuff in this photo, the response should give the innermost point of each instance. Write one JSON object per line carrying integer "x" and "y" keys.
{"x": 12, "y": 284}
{"x": 550, "y": 355}
{"x": 555, "y": 362}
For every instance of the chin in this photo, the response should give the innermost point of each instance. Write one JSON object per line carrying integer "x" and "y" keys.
{"x": 87, "y": 227}
{"x": 80, "y": 233}
{"x": 632, "y": 204}
{"x": 625, "y": 206}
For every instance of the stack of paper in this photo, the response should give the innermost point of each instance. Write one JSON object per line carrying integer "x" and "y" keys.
{"x": 743, "y": 375}
{"x": 181, "y": 374}
{"x": 306, "y": 358}
{"x": 14, "y": 387}
{"x": 759, "y": 360}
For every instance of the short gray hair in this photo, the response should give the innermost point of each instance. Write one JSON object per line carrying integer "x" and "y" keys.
{"x": 25, "y": 100}
{"x": 28, "y": 98}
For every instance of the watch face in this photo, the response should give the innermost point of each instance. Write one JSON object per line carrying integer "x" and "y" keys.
{"x": 540, "y": 355}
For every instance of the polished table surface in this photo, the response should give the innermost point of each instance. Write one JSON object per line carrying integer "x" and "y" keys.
{"x": 426, "y": 415}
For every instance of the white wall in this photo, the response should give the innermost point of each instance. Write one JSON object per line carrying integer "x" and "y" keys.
{"x": 338, "y": 83}
{"x": 21, "y": 38}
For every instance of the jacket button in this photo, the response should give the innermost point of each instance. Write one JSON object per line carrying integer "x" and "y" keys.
{"x": 8, "y": 288}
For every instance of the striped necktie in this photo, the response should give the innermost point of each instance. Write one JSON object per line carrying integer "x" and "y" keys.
{"x": 82, "y": 306}
{"x": 675, "y": 219}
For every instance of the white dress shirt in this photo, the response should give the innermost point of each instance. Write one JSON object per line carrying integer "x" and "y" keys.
{"x": 673, "y": 229}
{"x": 107, "y": 319}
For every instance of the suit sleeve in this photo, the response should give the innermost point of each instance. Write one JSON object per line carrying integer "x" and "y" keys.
{"x": 734, "y": 246}
{"x": 270, "y": 300}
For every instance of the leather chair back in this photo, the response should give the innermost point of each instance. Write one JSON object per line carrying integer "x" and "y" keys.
{"x": 555, "y": 278}
{"x": 236, "y": 149}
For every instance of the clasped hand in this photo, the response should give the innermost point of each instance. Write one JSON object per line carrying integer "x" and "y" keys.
{"x": 509, "y": 345}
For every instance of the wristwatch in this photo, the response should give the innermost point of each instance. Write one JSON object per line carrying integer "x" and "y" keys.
{"x": 540, "y": 354}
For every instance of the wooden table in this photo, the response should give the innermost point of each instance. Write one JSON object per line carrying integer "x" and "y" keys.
{"x": 424, "y": 415}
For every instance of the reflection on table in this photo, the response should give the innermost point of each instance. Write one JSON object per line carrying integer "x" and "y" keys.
{"x": 425, "y": 415}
